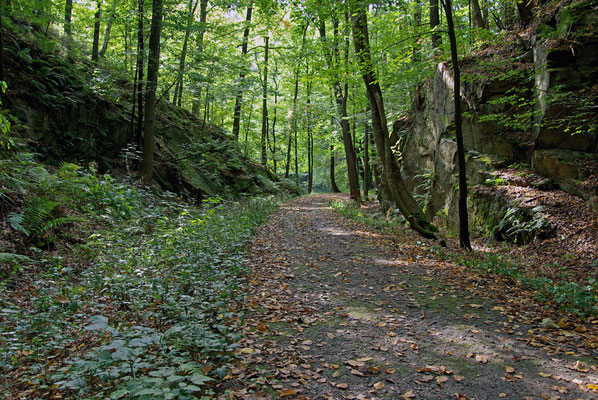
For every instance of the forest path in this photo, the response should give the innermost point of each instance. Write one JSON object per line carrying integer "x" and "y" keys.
{"x": 340, "y": 311}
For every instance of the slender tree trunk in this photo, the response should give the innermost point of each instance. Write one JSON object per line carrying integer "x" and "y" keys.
{"x": 273, "y": 147}
{"x": 248, "y": 124}
{"x": 333, "y": 187}
{"x": 476, "y": 14}
{"x": 463, "y": 220}
{"x": 2, "y": 11}
{"x": 296, "y": 159}
{"x": 293, "y": 130}
{"x": 203, "y": 15}
{"x": 393, "y": 184}
{"x": 434, "y": 22}
{"x": 140, "y": 62}
{"x": 108, "y": 28}
{"x": 310, "y": 139}
{"x": 524, "y": 11}
{"x": 178, "y": 88}
{"x": 242, "y": 74}
{"x": 341, "y": 103}
{"x": 264, "y": 149}
{"x": 153, "y": 64}
{"x": 367, "y": 174}
{"x": 96, "y": 34}
{"x": 68, "y": 12}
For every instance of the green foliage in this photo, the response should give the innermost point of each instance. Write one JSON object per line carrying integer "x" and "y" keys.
{"x": 567, "y": 296}
{"x": 157, "y": 302}
{"x": 520, "y": 225}
{"x": 391, "y": 222}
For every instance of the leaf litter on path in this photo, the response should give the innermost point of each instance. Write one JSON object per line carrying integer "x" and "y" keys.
{"x": 338, "y": 311}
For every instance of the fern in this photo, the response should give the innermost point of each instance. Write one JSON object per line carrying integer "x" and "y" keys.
{"x": 34, "y": 218}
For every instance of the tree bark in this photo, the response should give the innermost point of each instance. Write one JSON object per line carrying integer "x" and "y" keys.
{"x": 434, "y": 22}
{"x": 392, "y": 180}
{"x": 367, "y": 174}
{"x": 333, "y": 186}
{"x": 108, "y": 28}
{"x": 293, "y": 127}
{"x": 140, "y": 62}
{"x": 264, "y": 149}
{"x": 68, "y": 13}
{"x": 178, "y": 88}
{"x": 341, "y": 104}
{"x": 96, "y": 34}
{"x": 310, "y": 139}
{"x": 463, "y": 220}
{"x": 476, "y": 14}
{"x": 203, "y": 15}
{"x": 153, "y": 64}
{"x": 242, "y": 74}
{"x": 273, "y": 147}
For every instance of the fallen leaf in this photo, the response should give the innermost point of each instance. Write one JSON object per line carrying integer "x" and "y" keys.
{"x": 459, "y": 378}
{"x": 481, "y": 358}
{"x": 408, "y": 395}
{"x": 342, "y": 385}
{"x": 262, "y": 327}
{"x": 379, "y": 385}
{"x": 247, "y": 350}
{"x": 509, "y": 370}
{"x": 441, "y": 379}
{"x": 286, "y": 392}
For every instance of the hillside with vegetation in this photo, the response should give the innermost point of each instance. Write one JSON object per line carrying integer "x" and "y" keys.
{"x": 298, "y": 199}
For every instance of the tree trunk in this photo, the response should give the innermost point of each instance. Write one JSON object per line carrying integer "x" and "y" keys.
{"x": 367, "y": 174}
{"x": 248, "y": 124}
{"x": 68, "y": 13}
{"x": 264, "y": 149}
{"x": 178, "y": 88}
{"x": 293, "y": 128}
{"x": 341, "y": 103}
{"x": 392, "y": 181}
{"x": 242, "y": 74}
{"x": 203, "y": 15}
{"x": 96, "y": 34}
{"x": 333, "y": 187}
{"x": 524, "y": 11}
{"x": 109, "y": 27}
{"x": 273, "y": 147}
{"x": 140, "y": 62}
{"x": 434, "y": 22}
{"x": 310, "y": 139}
{"x": 463, "y": 220}
{"x": 153, "y": 64}
{"x": 2, "y": 11}
{"x": 476, "y": 14}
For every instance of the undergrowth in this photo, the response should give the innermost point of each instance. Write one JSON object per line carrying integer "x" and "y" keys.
{"x": 565, "y": 295}
{"x": 143, "y": 304}
{"x": 387, "y": 223}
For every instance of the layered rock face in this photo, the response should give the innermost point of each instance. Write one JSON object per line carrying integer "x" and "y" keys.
{"x": 530, "y": 123}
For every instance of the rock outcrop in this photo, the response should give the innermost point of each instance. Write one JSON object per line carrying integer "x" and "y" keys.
{"x": 529, "y": 122}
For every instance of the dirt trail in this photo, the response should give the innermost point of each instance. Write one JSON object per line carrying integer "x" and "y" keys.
{"x": 339, "y": 311}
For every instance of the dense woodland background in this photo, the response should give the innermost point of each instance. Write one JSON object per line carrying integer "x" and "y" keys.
{"x": 135, "y": 121}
